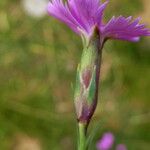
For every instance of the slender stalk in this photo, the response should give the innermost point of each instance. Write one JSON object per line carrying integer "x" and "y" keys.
{"x": 82, "y": 136}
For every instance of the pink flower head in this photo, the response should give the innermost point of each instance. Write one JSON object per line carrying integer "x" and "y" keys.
{"x": 106, "y": 142}
{"x": 83, "y": 15}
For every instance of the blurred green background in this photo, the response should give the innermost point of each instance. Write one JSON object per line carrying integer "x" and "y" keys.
{"x": 38, "y": 60}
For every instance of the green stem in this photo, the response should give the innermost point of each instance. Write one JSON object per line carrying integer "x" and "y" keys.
{"x": 82, "y": 136}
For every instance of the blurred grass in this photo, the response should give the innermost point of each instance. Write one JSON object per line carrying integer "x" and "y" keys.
{"x": 38, "y": 59}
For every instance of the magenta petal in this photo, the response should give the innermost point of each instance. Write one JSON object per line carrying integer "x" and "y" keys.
{"x": 57, "y": 9}
{"x": 83, "y": 15}
{"x": 106, "y": 142}
{"x": 78, "y": 14}
{"x": 99, "y": 13}
{"x": 124, "y": 29}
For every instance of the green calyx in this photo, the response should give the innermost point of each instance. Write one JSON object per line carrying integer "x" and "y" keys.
{"x": 92, "y": 88}
{"x": 87, "y": 78}
{"x": 81, "y": 90}
{"x": 78, "y": 86}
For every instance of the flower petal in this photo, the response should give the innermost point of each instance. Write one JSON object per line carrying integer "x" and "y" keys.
{"x": 61, "y": 11}
{"x": 83, "y": 14}
{"x": 106, "y": 142}
{"x": 124, "y": 29}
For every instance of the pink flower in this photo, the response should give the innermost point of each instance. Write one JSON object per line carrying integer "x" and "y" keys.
{"x": 83, "y": 15}
{"x": 106, "y": 142}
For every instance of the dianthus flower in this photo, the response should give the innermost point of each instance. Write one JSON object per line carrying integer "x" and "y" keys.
{"x": 85, "y": 17}
{"x": 107, "y": 141}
